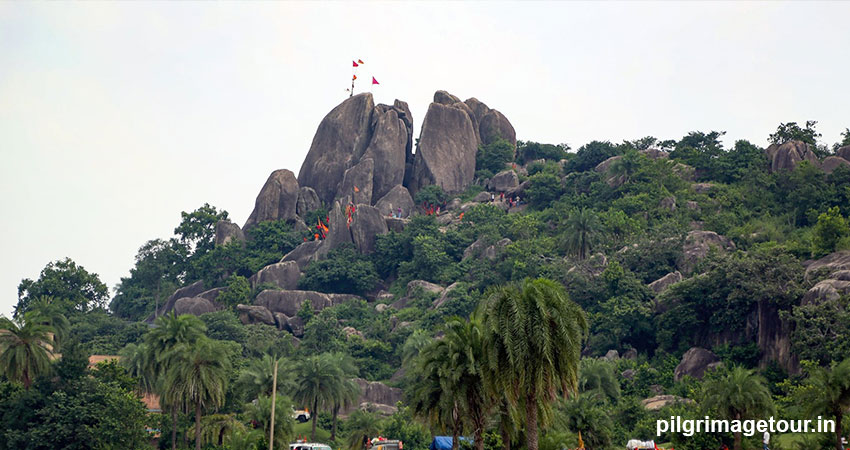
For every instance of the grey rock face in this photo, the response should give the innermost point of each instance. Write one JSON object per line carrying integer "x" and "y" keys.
{"x": 284, "y": 275}
{"x": 289, "y": 301}
{"x": 789, "y": 154}
{"x": 251, "y": 314}
{"x": 194, "y": 306}
{"x": 192, "y": 290}
{"x": 389, "y": 148}
{"x": 308, "y": 201}
{"x": 304, "y": 254}
{"x": 445, "y": 296}
{"x": 503, "y": 181}
{"x": 830, "y": 163}
{"x": 375, "y": 393}
{"x": 660, "y": 285}
{"x": 424, "y": 285}
{"x": 338, "y": 230}
{"x": 697, "y": 245}
{"x": 829, "y": 289}
{"x": 396, "y": 225}
{"x": 482, "y": 197}
{"x": 843, "y": 152}
{"x": 227, "y": 231}
{"x": 833, "y": 262}
{"x": 494, "y": 126}
{"x": 397, "y": 197}
{"x": 447, "y": 147}
{"x": 277, "y": 199}
{"x": 339, "y": 142}
{"x": 356, "y": 184}
{"x": 694, "y": 363}
{"x": 366, "y": 224}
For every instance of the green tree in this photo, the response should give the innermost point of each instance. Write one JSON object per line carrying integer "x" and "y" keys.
{"x": 829, "y": 230}
{"x": 528, "y": 151}
{"x": 261, "y": 410}
{"x": 591, "y": 154}
{"x": 586, "y": 414}
{"x": 65, "y": 280}
{"x": 845, "y": 140}
{"x": 828, "y": 393}
{"x": 160, "y": 267}
{"x": 544, "y": 188}
{"x": 346, "y": 392}
{"x": 627, "y": 165}
{"x": 430, "y": 195}
{"x": 535, "y": 334}
{"x": 493, "y": 157}
{"x": 344, "y": 271}
{"x": 238, "y": 291}
{"x": 465, "y": 373}
{"x": 256, "y": 378}
{"x": 25, "y": 349}
{"x": 431, "y": 396}
{"x": 198, "y": 374}
{"x": 792, "y": 132}
{"x": 50, "y": 311}
{"x": 740, "y": 394}
{"x": 361, "y": 425}
{"x": 197, "y": 228}
{"x": 582, "y": 229}
{"x": 316, "y": 384}
{"x": 821, "y": 329}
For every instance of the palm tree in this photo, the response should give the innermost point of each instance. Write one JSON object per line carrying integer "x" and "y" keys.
{"x": 829, "y": 394}
{"x": 25, "y": 349}
{"x": 260, "y": 411}
{"x": 347, "y": 391}
{"x": 256, "y": 378}
{"x": 582, "y": 227}
{"x": 597, "y": 376}
{"x": 136, "y": 359}
{"x": 465, "y": 343}
{"x": 414, "y": 343}
{"x": 432, "y": 397}
{"x": 316, "y": 381}
{"x": 49, "y": 311}
{"x": 197, "y": 374}
{"x": 244, "y": 440}
{"x": 627, "y": 165}
{"x": 585, "y": 414}
{"x": 740, "y": 394}
{"x": 361, "y": 425}
{"x": 534, "y": 335}
{"x": 169, "y": 332}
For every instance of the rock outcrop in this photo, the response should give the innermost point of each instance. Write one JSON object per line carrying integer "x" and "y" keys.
{"x": 660, "y": 401}
{"x": 660, "y": 285}
{"x": 697, "y": 245}
{"x": 397, "y": 198}
{"x": 843, "y": 152}
{"x": 694, "y": 363}
{"x": 308, "y": 201}
{"x": 304, "y": 254}
{"x": 503, "y": 181}
{"x": 284, "y": 275}
{"x": 832, "y": 288}
{"x": 490, "y": 125}
{"x": 227, "y": 231}
{"x": 192, "y": 290}
{"x": 366, "y": 224}
{"x": 375, "y": 393}
{"x": 289, "y": 301}
{"x": 445, "y": 155}
{"x": 356, "y": 186}
{"x": 786, "y": 156}
{"x": 194, "y": 306}
{"x": 277, "y": 199}
{"x": 252, "y": 314}
{"x": 831, "y": 262}
{"x": 481, "y": 249}
{"x": 389, "y": 147}
{"x": 830, "y": 163}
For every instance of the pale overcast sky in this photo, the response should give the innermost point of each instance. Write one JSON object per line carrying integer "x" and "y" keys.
{"x": 115, "y": 117}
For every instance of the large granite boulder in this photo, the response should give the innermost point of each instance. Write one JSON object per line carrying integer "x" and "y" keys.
{"x": 660, "y": 401}
{"x": 830, "y": 163}
{"x": 832, "y": 288}
{"x": 252, "y": 314}
{"x": 786, "y": 156}
{"x": 192, "y": 290}
{"x": 227, "y": 231}
{"x": 289, "y": 301}
{"x": 843, "y": 152}
{"x": 389, "y": 148}
{"x": 284, "y": 275}
{"x": 308, "y": 201}
{"x": 304, "y": 254}
{"x": 356, "y": 186}
{"x": 366, "y": 224}
{"x": 832, "y": 262}
{"x": 697, "y": 245}
{"x": 338, "y": 229}
{"x": 397, "y": 197}
{"x": 481, "y": 248}
{"x": 660, "y": 285}
{"x": 339, "y": 142}
{"x": 694, "y": 363}
{"x": 277, "y": 199}
{"x": 376, "y": 393}
{"x": 503, "y": 181}
{"x": 445, "y": 155}
{"x": 605, "y": 166}
{"x": 490, "y": 124}
{"x": 194, "y": 306}
{"x": 425, "y": 286}
{"x": 444, "y": 296}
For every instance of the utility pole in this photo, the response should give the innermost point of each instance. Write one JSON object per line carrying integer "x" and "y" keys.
{"x": 274, "y": 398}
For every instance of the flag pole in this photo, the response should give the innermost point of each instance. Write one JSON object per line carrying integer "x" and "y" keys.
{"x": 274, "y": 397}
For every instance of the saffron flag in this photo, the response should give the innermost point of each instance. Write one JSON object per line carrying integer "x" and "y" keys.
{"x": 360, "y": 61}
{"x": 353, "y": 77}
{"x": 356, "y": 189}
{"x": 374, "y": 81}
{"x": 354, "y": 64}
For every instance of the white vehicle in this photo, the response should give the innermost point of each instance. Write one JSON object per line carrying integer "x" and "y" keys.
{"x": 302, "y": 415}
{"x": 308, "y": 446}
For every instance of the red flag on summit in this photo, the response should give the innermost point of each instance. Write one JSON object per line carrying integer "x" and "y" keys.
{"x": 374, "y": 81}
{"x": 353, "y": 77}
{"x": 354, "y": 64}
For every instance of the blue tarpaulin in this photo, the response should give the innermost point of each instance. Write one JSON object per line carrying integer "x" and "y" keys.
{"x": 445, "y": 442}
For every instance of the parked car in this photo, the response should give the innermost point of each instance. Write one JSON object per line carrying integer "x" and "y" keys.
{"x": 308, "y": 446}
{"x": 301, "y": 415}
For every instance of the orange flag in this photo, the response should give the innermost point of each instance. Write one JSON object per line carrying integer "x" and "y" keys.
{"x": 353, "y": 77}
{"x": 356, "y": 189}
{"x": 360, "y": 61}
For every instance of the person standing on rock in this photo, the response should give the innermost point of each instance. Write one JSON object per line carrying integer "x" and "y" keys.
{"x": 399, "y": 212}
{"x": 492, "y": 198}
